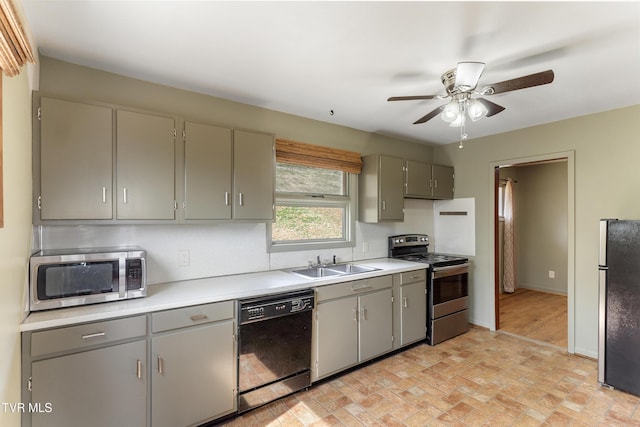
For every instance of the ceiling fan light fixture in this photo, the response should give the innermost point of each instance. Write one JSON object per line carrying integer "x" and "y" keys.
{"x": 458, "y": 122}
{"x": 450, "y": 112}
{"x": 468, "y": 74}
{"x": 476, "y": 110}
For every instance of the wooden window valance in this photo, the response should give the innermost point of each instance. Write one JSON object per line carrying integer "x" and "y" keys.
{"x": 318, "y": 156}
{"x": 15, "y": 50}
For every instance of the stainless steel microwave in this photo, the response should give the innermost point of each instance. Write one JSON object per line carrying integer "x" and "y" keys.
{"x": 70, "y": 277}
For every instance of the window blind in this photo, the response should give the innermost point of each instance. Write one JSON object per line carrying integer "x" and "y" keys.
{"x": 300, "y": 153}
{"x": 15, "y": 50}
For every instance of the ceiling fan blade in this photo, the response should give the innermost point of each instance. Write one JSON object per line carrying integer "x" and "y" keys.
{"x": 536, "y": 79}
{"x": 411, "y": 98}
{"x": 468, "y": 74}
{"x": 430, "y": 115}
{"x": 492, "y": 107}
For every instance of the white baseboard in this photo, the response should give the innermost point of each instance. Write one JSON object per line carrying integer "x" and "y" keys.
{"x": 540, "y": 289}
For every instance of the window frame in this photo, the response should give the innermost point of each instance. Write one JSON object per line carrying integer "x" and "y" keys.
{"x": 348, "y": 201}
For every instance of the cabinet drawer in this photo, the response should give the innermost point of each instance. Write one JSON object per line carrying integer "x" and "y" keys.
{"x": 78, "y": 337}
{"x": 189, "y": 316}
{"x": 353, "y": 287}
{"x": 413, "y": 276}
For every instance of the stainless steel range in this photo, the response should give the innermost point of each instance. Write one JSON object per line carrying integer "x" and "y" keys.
{"x": 447, "y": 285}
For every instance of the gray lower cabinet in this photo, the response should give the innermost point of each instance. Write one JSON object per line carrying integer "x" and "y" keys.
{"x": 92, "y": 374}
{"x": 411, "y": 306}
{"x": 353, "y": 324}
{"x": 193, "y": 376}
{"x": 74, "y": 140}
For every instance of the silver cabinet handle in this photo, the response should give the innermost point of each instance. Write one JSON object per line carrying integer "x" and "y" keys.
{"x": 139, "y": 369}
{"x": 384, "y": 205}
{"x": 104, "y": 194}
{"x": 124, "y": 195}
{"x": 431, "y": 183}
{"x": 405, "y": 302}
{"x": 435, "y": 183}
{"x": 355, "y": 314}
{"x": 198, "y": 317}
{"x": 160, "y": 365}
{"x": 226, "y": 198}
{"x": 363, "y": 314}
{"x": 95, "y": 335}
{"x": 241, "y": 199}
{"x": 360, "y": 287}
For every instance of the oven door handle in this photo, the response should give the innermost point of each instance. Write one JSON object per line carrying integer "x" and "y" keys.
{"x": 450, "y": 270}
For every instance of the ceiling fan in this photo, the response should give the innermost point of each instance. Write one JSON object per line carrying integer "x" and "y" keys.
{"x": 460, "y": 85}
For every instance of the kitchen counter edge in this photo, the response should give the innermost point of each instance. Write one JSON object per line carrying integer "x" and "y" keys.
{"x": 171, "y": 295}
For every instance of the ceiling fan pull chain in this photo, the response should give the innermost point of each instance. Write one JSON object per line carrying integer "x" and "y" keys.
{"x": 463, "y": 130}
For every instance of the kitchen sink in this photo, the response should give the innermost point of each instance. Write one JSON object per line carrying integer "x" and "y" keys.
{"x": 333, "y": 270}
{"x": 351, "y": 268}
{"x": 315, "y": 272}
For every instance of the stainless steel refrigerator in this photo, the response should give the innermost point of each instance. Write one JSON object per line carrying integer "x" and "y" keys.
{"x": 619, "y": 305}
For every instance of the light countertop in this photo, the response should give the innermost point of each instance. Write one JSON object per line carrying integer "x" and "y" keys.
{"x": 170, "y": 295}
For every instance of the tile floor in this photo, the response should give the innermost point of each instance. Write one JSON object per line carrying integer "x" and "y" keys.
{"x": 481, "y": 378}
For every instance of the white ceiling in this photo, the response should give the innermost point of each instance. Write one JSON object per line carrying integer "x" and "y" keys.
{"x": 308, "y": 58}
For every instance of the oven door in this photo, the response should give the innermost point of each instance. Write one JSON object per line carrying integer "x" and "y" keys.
{"x": 449, "y": 290}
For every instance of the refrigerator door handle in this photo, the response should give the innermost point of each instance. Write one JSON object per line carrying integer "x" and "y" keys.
{"x": 602, "y": 255}
{"x": 602, "y": 326}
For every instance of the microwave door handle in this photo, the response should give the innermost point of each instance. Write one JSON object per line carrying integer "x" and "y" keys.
{"x": 122, "y": 277}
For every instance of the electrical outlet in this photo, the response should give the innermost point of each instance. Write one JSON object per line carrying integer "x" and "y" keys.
{"x": 552, "y": 274}
{"x": 184, "y": 258}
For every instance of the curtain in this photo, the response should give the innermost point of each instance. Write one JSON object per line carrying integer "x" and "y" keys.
{"x": 15, "y": 50}
{"x": 300, "y": 153}
{"x": 509, "y": 279}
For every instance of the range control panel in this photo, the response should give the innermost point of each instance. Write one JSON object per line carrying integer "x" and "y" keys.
{"x": 269, "y": 307}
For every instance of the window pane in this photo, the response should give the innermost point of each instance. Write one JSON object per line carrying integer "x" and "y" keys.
{"x": 308, "y": 180}
{"x": 308, "y": 223}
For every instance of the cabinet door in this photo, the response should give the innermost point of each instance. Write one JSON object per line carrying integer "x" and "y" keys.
{"x": 76, "y": 160}
{"x": 417, "y": 179}
{"x": 336, "y": 335}
{"x": 99, "y": 388}
{"x": 376, "y": 324}
{"x": 442, "y": 182}
{"x": 253, "y": 176}
{"x": 207, "y": 163}
{"x": 391, "y": 187}
{"x": 193, "y": 376}
{"x": 145, "y": 166}
{"x": 413, "y": 318}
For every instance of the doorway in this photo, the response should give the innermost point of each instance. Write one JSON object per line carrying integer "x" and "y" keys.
{"x": 541, "y": 306}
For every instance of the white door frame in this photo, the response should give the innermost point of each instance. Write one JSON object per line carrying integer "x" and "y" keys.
{"x": 570, "y": 157}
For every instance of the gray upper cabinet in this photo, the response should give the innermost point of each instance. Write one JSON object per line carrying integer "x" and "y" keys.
{"x": 75, "y": 142}
{"x": 417, "y": 180}
{"x": 381, "y": 189}
{"x": 208, "y": 157}
{"x": 443, "y": 185}
{"x": 426, "y": 181}
{"x": 253, "y": 176}
{"x": 145, "y": 166}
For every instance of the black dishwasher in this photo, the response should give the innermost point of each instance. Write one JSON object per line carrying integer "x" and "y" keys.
{"x": 274, "y": 347}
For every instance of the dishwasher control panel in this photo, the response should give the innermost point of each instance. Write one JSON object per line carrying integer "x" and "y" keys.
{"x": 271, "y": 306}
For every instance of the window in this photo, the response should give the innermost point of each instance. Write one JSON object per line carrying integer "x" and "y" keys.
{"x": 314, "y": 208}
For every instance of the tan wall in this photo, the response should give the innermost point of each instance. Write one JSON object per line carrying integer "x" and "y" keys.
{"x": 15, "y": 236}
{"x": 62, "y": 78}
{"x": 606, "y": 186}
{"x": 541, "y": 227}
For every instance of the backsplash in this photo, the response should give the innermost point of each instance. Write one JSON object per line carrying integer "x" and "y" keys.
{"x": 226, "y": 248}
